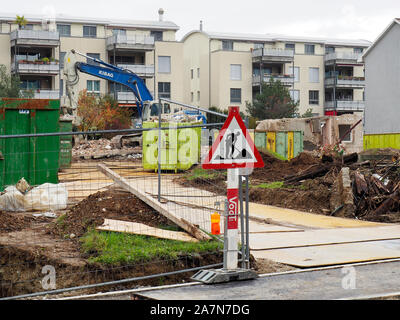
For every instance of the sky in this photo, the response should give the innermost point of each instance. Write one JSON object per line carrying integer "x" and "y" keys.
{"x": 347, "y": 19}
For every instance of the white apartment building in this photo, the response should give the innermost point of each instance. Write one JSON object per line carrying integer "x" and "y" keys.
{"x": 325, "y": 75}
{"x": 148, "y": 48}
{"x": 204, "y": 68}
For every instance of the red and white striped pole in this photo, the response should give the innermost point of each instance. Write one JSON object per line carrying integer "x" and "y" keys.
{"x": 232, "y": 225}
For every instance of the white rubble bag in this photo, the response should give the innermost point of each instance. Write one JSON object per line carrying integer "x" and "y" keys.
{"x": 44, "y": 197}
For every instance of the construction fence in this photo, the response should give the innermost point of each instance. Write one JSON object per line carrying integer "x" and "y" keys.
{"x": 85, "y": 212}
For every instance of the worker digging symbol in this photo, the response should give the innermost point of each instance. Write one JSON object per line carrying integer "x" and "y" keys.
{"x": 233, "y": 149}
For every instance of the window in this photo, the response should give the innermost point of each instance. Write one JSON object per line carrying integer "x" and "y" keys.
{"x": 330, "y": 49}
{"x": 93, "y": 55}
{"x": 313, "y": 97}
{"x": 90, "y": 31}
{"x": 236, "y": 95}
{"x": 258, "y": 45}
{"x": 296, "y": 73}
{"x": 164, "y": 64}
{"x": 198, "y": 95}
{"x": 236, "y": 72}
{"x": 227, "y": 45}
{"x": 198, "y": 72}
{"x": 30, "y": 84}
{"x": 64, "y": 30}
{"x": 290, "y": 46}
{"x": 191, "y": 73}
{"x": 191, "y": 96}
{"x": 28, "y": 26}
{"x": 314, "y": 75}
{"x": 343, "y": 128}
{"x": 158, "y": 35}
{"x": 309, "y": 49}
{"x": 295, "y": 95}
{"x": 164, "y": 90}
{"x": 62, "y": 56}
{"x": 121, "y": 32}
{"x": 358, "y": 50}
{"x": 93, "y": 86}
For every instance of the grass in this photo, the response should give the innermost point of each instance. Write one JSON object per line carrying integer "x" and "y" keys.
{"x": 200, "y": 173}
{"x": 274, "y": 154}
{"x": 120, "y": 248}
{"x": 272, "y": 185}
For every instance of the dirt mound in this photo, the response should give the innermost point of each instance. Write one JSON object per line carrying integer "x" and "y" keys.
{"x": 10, "y": 222}
{"x": 113, "y": 204}
{"x": 276, "y": 170}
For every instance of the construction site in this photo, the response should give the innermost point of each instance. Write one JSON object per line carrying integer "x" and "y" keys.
{"x": 160, "y": 199}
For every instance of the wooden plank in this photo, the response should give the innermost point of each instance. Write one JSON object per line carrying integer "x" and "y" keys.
{"x": 308, "y": 220}
{"x": 328, "y": 255}
{"x": 161, "y": 208}
{"x": 144, "y": 230}
{"x": 322, "y": 237}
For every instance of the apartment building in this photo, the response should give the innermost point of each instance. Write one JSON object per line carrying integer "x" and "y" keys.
{"x": 224, "y": 69}
{"x": 148, "y": 48}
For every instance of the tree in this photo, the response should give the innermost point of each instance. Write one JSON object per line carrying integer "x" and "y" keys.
{"x": 101, "y": 113}
{"x": 274, "y": 102}
{"x": 20, "y": 21}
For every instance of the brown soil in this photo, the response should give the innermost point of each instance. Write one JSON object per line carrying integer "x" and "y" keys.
{"x": 113, "y": 204}
{"x": 17, "y": 221}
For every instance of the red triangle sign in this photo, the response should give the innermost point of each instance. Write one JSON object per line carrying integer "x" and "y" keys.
{"x": 233, "y": 147}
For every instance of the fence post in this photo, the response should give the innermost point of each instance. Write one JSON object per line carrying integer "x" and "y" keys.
{"x": 159, "y": 151}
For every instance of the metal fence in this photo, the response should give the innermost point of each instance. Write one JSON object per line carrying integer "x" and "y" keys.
{"x": 108, "y": 213}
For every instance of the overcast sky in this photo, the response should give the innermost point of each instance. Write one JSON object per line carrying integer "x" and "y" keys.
{"x": 348, "y": 19}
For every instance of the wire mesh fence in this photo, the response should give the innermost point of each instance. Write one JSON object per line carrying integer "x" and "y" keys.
{"x": 79, "y": 211}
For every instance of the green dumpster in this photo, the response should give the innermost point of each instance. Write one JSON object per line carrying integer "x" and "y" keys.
{"x": 180, "y": 148}
{"x": 65, "y": 144}
{"x": 35, "y": 159}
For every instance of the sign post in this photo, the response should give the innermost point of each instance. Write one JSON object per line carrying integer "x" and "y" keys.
{"x": 233, "y": 150}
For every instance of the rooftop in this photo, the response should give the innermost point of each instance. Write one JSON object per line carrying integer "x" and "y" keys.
{"x": 61, "y": 18}
{"x": 270, "y": 37}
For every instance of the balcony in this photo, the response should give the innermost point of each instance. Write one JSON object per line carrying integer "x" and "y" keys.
{"x": 35, "y": 67}
{"x": 142, "y": 71}
{"x": 35, "y": 38}
{"x": 138, "y": 42}
{"x": 46, "y": 94}
{"x": 273, "y": 55}
{"x": 343, "y": 58}
{"x": 345, "y": 82}
{"x": 126, "y": 97}
{"x": 286, "y": 80}
{"x": 345, "y": 105}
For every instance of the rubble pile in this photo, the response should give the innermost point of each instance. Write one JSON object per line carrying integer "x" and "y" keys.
{"x": 104, "y": 148}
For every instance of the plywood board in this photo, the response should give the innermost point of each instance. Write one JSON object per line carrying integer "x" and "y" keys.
{"x": 142, "y": 229}
{"x": 322, "y": 237}
{"x": 327, "y": 255}
{"x": 299, "y": 218}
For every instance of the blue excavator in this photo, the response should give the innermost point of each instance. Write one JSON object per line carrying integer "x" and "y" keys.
{"x": 146, "y": 106}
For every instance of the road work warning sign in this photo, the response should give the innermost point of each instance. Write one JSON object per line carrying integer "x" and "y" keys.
{"x": 233, "y": 147}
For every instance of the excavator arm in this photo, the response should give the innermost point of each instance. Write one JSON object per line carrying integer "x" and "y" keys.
{"x": 107, "y": 72}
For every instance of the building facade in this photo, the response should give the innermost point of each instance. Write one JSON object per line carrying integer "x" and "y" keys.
{"x": 148, "y": 48}
{"x": 382, "y": 95}
{"x": 324, "y": 76}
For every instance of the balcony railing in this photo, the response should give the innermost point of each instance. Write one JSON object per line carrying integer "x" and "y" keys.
{"x": 278, "y": 55}
{"x": 345, "y": 105}
{"x": 145, "y": 71}
{"x": 126, "y": 97}
{"x": 32, "y": 37}
{"x": 137, "y": 42}
{"x": 286, "y": 80}
{"x": 345, "y": 82}
{"x": 30, "y": 67}
{"x": 343, "y": 57}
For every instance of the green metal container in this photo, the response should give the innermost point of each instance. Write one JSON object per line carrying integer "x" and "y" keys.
{"x": 287, "y": 144}
{"x": 35, "y": 159}
{"x": 180, "y": 148}
{"x": 65, "y": 144}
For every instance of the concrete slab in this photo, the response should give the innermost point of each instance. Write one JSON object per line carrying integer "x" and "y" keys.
{"x": 261, "y": 241}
